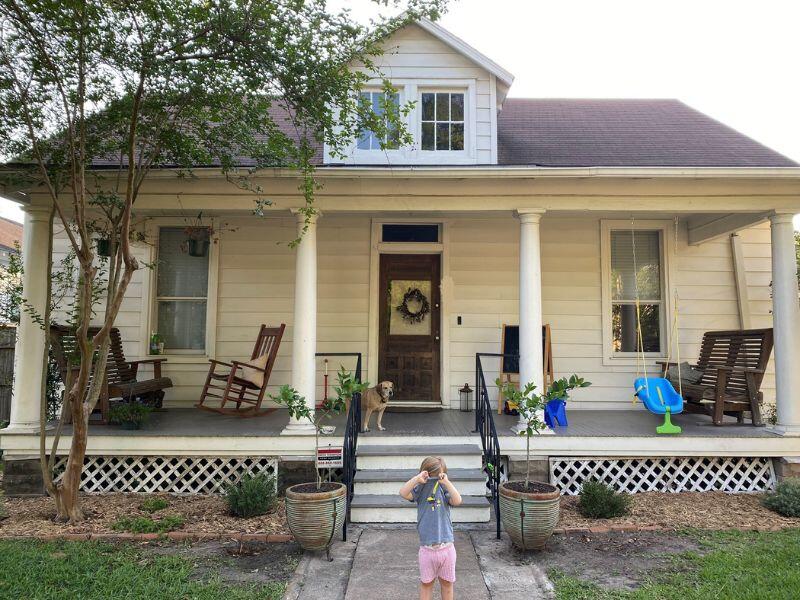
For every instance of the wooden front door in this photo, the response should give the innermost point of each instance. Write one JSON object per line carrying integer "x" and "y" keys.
{"x": 409, "y": 337}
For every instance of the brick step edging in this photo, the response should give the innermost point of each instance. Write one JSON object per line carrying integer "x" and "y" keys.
{"x": 272, "y": 538}
{"x": 642, "y": 528}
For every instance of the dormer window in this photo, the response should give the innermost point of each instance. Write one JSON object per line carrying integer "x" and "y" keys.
{"x": 442, "y": 121}
{"x": 379, "y": 102}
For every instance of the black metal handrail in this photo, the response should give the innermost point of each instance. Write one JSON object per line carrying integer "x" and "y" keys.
{"x": 350, "y": 444}
{"x": 484, "y": 425}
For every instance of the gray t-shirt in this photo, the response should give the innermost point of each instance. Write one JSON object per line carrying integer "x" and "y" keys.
{"x": 433, "y": 513}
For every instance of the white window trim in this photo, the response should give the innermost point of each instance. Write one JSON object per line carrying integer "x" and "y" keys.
{"x": 664, "y": 227}
{"x": 411, "y": 89}
{"x": 465, "y": 122}
{"x": 150, "y": 320}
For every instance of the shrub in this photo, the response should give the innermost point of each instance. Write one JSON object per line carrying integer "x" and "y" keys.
{"x": 129, "y": 412}
{"x": 785, "y": 500}
{"x": 600, "y": 501}
{"x": 152, "y": 505}
{"x": 251, "y": 496}
{"x": 148, "y": 525}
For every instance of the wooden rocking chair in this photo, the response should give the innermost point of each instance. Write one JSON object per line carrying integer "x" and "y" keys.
{"x": 237, "y": 384}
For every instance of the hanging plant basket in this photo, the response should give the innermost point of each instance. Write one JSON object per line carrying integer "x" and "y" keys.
{"x": 197, "y": 248}
{"x": 104, "y": 247}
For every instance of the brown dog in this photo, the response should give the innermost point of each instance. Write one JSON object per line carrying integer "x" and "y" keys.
{"x": 375, "y": 399}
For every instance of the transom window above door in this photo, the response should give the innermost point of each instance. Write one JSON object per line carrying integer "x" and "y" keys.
{"x": 442, "y": 120}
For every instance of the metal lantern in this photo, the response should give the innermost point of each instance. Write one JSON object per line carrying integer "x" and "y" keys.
{"x": 465, "y": 395}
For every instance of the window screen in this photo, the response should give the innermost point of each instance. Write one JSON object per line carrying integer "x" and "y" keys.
{"x": 627, "y": 276}
{"x": 410, "y": 233}
{"x": 181, "y": 293}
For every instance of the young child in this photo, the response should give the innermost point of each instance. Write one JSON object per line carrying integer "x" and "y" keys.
{"x": 434, "y": 494}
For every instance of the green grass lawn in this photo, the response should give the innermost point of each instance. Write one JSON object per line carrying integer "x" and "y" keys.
{"x": 88, "y": 570}
{"x": 741, "y": 565}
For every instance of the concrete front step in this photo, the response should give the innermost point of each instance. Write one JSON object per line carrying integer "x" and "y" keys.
{"x": 457, "y": 456}
{"x": 371, "y": 508}
{"x": 471, "y": 482}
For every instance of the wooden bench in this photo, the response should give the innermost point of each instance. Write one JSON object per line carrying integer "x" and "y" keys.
{"x": 733, "y": 365}
{"x": 121, "y": 378}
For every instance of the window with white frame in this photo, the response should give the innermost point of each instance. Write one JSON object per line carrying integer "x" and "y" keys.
{"x": 379, "y": 102}
{"x": 181, "y": 294}
{"x": 442, "y": 118}
{"x": 636, "y": 269}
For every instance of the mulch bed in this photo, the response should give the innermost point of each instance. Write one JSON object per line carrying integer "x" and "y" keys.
{"x": 701, "y": 510}
{"x": 204, "y": 515}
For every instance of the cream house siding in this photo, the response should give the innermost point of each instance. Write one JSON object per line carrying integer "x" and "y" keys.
{"x": 484, "y": 262}
{"x": 129, "y": 319}
{"x": 412, "y": 54}
{"x": 256, "y": 285}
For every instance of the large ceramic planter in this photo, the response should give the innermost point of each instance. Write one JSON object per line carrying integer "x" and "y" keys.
{"x": 529, "y": 518}
{"x": 314, "y": 517}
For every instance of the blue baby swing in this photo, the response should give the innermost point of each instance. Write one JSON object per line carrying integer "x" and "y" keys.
{"x": 657, "y": 393}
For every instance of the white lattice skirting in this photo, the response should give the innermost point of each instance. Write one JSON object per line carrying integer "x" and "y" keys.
{"x": 174, "y": 474}
{"x": 665, "y": 474}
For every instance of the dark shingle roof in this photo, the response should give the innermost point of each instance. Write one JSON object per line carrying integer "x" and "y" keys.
{"x": 622, "y": 133}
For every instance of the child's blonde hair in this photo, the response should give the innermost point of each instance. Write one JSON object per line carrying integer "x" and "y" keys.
{"x": 434, "y": 465}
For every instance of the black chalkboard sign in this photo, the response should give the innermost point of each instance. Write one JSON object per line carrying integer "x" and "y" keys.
{"x": 511, "y": 346}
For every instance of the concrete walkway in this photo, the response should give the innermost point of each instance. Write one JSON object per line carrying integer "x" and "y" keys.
{"x": 381, "y": 563}
{"x": 385, "y": 567}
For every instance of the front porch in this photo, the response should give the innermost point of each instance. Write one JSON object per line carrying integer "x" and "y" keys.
{"x": 605, "y": 433}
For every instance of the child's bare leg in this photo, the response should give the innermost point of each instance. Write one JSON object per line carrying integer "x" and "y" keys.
{"x": 426, "y": 591}
{"x": 447, "y": 589}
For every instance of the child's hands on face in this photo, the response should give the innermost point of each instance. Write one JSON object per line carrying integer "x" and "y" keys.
{"x": 423, "y": 477}
{"x": 443, "y": 477}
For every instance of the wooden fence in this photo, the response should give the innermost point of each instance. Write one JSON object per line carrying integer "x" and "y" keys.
{"x": 8, "y": 337}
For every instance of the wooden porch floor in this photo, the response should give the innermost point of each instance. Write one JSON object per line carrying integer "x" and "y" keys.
{"x": 582, "y": 423}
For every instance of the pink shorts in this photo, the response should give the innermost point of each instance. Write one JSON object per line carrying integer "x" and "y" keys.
{"x": 437, "y": 562}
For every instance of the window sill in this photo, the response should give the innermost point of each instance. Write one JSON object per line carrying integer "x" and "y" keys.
{"x": 181, "y": 358}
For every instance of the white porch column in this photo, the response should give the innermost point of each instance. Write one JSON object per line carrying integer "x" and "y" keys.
{"x": 530, "y": 301}
{"x": 29, "y": 352}
{"x": 786, "y": 323}
{"x": 304, "y": 342}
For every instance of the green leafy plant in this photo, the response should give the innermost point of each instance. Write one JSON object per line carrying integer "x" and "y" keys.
{"x": 251, "y": 496}
{"x": 148, "y": 525}
{"x": 298, "y": 409}
{"x": 785, "y": 500}
{"x": 530, "y": 406}
{"x": 129, "y": 412}
{"x": 151, "y": 505}
{"x": 347, "y": 385}
{"x": 600, "y": 501}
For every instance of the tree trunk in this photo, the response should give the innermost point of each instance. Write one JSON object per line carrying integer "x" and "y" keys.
{"x": 527, "y": 460}
{"x": 68, "y": 504}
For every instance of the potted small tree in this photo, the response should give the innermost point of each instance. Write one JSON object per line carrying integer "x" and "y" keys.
{"x": 529, "y": 509}
{"x": 316, "y": 511}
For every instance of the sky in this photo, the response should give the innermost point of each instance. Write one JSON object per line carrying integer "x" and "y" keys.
{"x": 731, "y": 59}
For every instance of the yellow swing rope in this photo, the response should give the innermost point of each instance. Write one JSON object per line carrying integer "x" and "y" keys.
{"x": 673, "y": 332}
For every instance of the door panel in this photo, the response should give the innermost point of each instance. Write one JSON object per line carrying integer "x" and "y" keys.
{"x": 408, "y": 347}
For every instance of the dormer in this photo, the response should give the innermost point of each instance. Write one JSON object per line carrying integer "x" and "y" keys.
{"x": 456, "y": 91}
